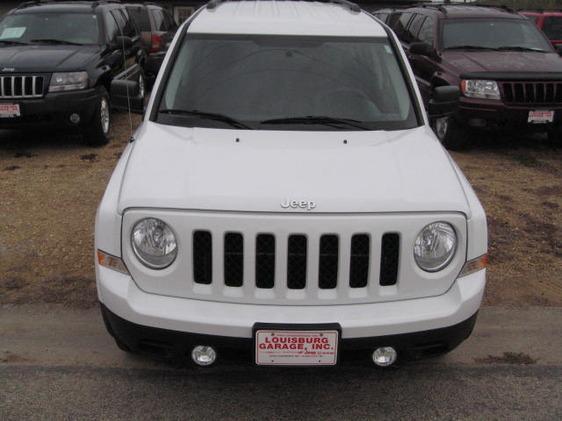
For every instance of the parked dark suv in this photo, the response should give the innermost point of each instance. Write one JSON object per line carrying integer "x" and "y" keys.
{"x": 509, "y": 74}
{"x": 157, "y": 28}
{"x": 57, "y": 63}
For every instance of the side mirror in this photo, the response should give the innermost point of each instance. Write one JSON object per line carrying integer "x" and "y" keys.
{"x": 122, "y": 42}
{"x": 422, "y": 49}
{"x": 125, "y": 95}
{"x": 444, "y": 101}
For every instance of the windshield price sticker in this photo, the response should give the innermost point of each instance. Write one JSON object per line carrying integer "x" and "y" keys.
{"x": 293, "y": 347}
{"x": 541, "y": 117}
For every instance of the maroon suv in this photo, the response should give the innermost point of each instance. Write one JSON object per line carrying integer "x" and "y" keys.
{"x": 509, "y": 74}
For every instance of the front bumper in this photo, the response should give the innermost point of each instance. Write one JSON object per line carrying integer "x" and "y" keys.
{"x": 495, "y": 115}
{"x": 54, "y": 110}
{"x": 145, "y": 322}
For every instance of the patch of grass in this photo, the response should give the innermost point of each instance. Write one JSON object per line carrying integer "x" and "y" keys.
{"x": 527, "y": 160}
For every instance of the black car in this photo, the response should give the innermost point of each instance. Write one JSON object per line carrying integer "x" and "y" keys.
{"x": 57, "y": 63}
{"x": 157, "y": 28}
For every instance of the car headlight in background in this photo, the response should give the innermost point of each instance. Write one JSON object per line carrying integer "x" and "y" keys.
{"x": 69, "y": 81}
{"x": 486, "y": 89}
{"x": 435, "y": 246}
{"x": 154, "y": 243}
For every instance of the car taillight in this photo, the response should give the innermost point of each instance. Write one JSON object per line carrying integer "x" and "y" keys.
{"x": 155, "y": 43}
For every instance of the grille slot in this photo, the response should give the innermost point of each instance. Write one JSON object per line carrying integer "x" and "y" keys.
{"x": 233, "y": 259}
{"x": 265, "y": 261}
{"x": 202, "y": 257}
{"x": 359, "y": 261}
{"x": 389, "y": 259}
{"x": 296, "y": 262}
{"x": 544, "y": 92}
{"x": 328, "y": 262}
{"x": 22, "y": 86}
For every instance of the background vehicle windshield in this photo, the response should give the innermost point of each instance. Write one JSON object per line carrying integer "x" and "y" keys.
{"x": 553, "y": 27}
{"x": 257, "y": 78}
{"x": 80, "y": 28}
{"x": 493, "y": 33}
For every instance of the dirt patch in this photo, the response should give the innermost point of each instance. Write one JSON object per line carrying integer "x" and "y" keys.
{"x": 518, "y": 358}
{"x": 89, "y": 157}
{"x": 8, "y": 357}
{"x": 12, "y": 168}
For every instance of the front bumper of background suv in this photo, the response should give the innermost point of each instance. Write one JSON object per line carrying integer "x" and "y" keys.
{"x": 168, "y": 327}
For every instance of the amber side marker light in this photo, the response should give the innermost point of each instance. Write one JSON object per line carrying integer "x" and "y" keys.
{"x": 474, "y": 265}
{"x": 112, "y": 262}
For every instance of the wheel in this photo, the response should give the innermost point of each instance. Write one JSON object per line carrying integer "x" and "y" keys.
{"x": 98, "y": 132}
{"x": 555, "y": 138}
{"x": 451, "y": 134}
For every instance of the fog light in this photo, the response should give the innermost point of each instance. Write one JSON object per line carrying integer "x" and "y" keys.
{"x": 75, "y": 118}
{"x": 384, "y": 356}
{"x": 203, "y": 355}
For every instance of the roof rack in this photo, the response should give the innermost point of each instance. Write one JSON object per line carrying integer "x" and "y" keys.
{"x": 40, "y": 2}
{"x": 213, "y": 4}
{"x": 443, "y": 6}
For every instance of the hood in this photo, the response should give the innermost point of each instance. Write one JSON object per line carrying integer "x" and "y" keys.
{"x": 207, "y": 169}
{"x": 502, "y": 61}
{"x": 46, "y": 58}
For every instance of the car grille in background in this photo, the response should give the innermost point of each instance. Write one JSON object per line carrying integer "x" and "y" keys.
{"x": 297, "y": 260}
{"x": 21, "y": 86}
{"x": 532, "y": 92}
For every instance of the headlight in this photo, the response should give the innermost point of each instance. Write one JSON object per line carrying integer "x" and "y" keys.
{"x": 71, "y": 81}
{"x": 435, "y": 246}
{"x": 486, "y": 89}
{"x": 154, "y": 243}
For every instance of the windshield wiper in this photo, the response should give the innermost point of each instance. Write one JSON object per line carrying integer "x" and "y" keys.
{"x": 55, "y": 41}
{"x": 471, "y": 47}
{"x": 311, "y": 119}
{"x": 7, "y": 41}
{"x": 211, "y": 116}
{"x": 519, "y": 48}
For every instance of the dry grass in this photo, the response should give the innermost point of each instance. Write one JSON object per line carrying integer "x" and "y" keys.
{"x": 50, "y": 187}
{"x": 518, "y": 358}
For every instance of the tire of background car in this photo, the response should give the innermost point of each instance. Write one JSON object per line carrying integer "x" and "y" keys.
{"x": 98, "y": 132}
{"x": 555, "y": 137}
{"x": 451, "y": 134}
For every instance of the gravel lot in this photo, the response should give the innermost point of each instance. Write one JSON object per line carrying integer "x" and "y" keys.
{"x": 51, "y": 184}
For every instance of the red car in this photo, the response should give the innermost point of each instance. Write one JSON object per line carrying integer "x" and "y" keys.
{"x": 550, "y": 22}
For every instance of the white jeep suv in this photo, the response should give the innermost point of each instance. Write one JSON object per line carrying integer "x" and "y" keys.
{"x": 286, "y": 198}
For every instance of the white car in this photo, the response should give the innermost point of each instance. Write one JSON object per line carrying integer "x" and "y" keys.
{"x": 286, "y": 198}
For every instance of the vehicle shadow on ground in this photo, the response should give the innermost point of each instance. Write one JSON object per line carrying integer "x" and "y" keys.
{"x": 482, "y": 142}
{"x": 15, "y": 140}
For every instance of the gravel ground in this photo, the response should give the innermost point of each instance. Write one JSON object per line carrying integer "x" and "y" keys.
{"x": 51, "y": 185}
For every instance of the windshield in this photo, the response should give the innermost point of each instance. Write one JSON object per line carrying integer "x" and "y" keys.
{"x": 78, "y": 28}
{"x": 257, "y": 80}
{"x": 493, "y": 34}
{"x": 553, "y": 27}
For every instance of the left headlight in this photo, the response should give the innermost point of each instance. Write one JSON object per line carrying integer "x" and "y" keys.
{"x": 69, "y": 81}
{"x": 484, "y": 89}
{"x": 154, "y": 243}
{"x": 435, "y": 246}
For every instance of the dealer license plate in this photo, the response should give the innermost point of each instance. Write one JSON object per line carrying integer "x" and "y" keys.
{"x": 9, "y": 110}
{"x": 296, "y": 347}
{"x": 540, "y": 117}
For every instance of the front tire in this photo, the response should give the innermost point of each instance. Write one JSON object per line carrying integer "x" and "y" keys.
{"x": 451, "y": 134}
{"x": 98, "y": 132}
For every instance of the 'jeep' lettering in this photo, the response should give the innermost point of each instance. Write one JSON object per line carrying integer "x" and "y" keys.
{"x": 299, "y": 204}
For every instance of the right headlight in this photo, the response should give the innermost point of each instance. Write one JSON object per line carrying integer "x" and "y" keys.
{"x": 435, "y": 246}
{"x": 154, "y": 243}
{"x": 483, "y": 89}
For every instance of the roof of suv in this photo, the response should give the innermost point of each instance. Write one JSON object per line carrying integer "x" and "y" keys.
{"x": 468, "y": 11}
{"x": 271, "y": 17}
{"x": 61, "y": 6}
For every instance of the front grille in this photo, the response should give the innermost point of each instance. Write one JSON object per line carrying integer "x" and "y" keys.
{"x": 21, "y": 86}
{"x": 297, "y": 260}
{"x": 522, "y": 92}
